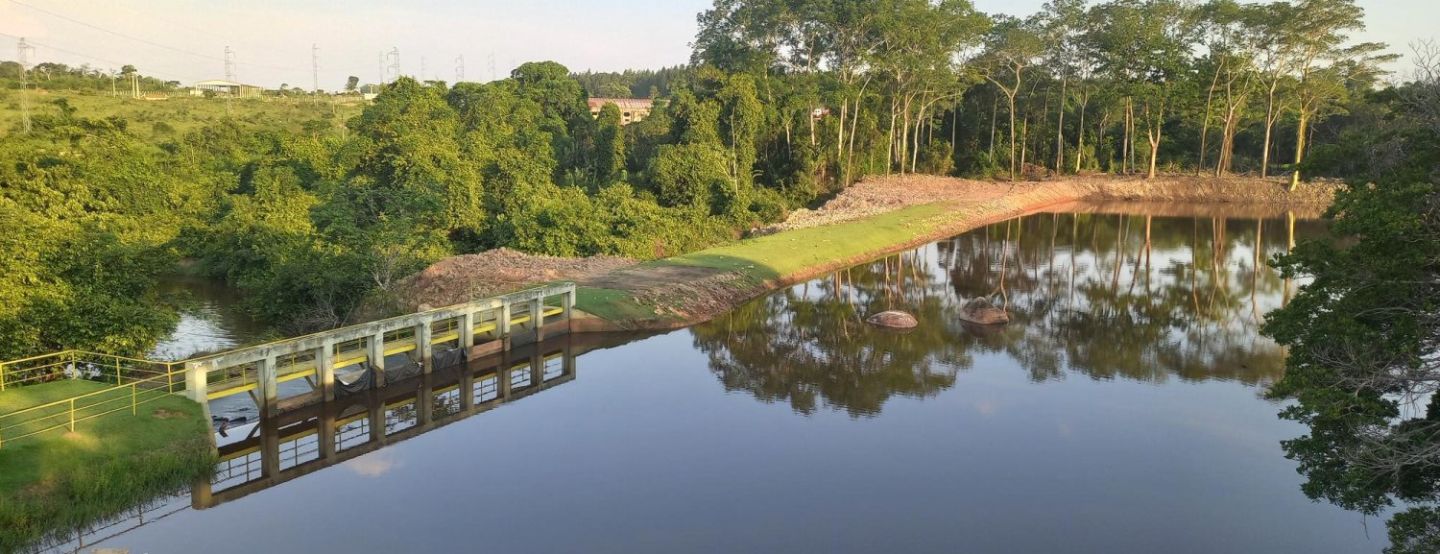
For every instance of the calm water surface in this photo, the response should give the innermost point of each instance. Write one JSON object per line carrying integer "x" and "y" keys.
{"x": 1121, "y": 410}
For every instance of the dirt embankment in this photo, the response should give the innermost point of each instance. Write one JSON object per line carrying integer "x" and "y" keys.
{"x": 681, "y": 295}
{"x": 880, "y": 195}
{"x": 460, "y": 279}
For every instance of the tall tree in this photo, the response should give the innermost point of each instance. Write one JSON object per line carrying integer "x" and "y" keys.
{"x": 1012, "y": 46}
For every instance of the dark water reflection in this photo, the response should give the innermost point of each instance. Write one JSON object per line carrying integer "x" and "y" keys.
{"x": 1120, "y": 411}
{"x": 1099, "y": 295}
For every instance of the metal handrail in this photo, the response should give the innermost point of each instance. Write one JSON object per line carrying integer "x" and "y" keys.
{"x": 69, "y": 360}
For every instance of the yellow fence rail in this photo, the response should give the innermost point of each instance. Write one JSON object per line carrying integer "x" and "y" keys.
{"x": 136, "y": 385}
{"x": 259, "y": 369}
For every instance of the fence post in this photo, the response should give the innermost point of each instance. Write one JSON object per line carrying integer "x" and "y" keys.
{"x": 2, "y": 377}
{"x": 118, "y": 379}
{"x": 72, "y": 414}
{"x": 134, "y": 400}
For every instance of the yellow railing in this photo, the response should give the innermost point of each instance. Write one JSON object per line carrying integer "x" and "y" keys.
{"x": 69, "y": 364}
{"x": 138, "y": 381}
{"x": 68, "y": 412}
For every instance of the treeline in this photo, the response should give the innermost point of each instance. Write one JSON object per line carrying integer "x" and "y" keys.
{"x": 309, "y": 225}
{"x": 631, "y": 83}
{"x": 59, "y": 76}
{"x": 1123, "y": 86}
{"x": 783, "y": 102}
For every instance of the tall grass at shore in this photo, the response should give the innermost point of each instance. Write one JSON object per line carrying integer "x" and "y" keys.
{"x": 61, "y": 481}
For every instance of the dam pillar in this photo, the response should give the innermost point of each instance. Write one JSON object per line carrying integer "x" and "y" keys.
{"x": 376, "y": 354}
{"x": 269, "y": 385}
{"x": 423, "y": 348}
{"x": 325, "y": 369}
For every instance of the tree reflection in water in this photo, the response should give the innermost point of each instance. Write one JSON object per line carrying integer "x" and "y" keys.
{"x": 1102, "y": 295}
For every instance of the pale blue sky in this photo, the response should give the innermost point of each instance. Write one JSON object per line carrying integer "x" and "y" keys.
{"x": 272, "y": 38}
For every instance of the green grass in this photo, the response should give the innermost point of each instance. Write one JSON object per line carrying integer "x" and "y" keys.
{"x": 792, "y": 252}
{"x": 610, "y": 304}
{"x": 60, "y": 480}
{"x": 182, "y": 114}
{"x": 782, "y": 255}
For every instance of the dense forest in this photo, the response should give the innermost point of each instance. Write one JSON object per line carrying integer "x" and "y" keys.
{"x": 782, "y": 104}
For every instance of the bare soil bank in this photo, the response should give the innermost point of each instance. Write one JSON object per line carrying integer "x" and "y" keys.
{"x": 875, "y": 196}
{"x": 905, "y": 211}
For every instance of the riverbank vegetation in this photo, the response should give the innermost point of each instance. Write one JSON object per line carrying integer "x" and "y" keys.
{"x": 1364, "y": 336}
{"x": 782, "y": 105}
{"x": 61, "y": 481}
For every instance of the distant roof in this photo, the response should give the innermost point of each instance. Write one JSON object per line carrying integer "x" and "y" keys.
{"x": 222, "y": 83}
{"x": 623, "y": 103}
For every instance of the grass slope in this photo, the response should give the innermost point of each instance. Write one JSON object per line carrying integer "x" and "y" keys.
{"x": 780, "y": 256}
{"x": 59, "y": 480}
{"x": 169, "y": 119}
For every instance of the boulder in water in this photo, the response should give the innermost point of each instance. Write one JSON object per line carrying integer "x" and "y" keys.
{"x": 893, "y": 319}
{"x": 981, "y": 312}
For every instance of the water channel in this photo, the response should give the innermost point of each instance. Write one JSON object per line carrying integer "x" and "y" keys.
{"x": 1121, "y": 410}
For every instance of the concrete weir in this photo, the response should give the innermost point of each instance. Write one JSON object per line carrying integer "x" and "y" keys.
{"x": 365, "y": 355}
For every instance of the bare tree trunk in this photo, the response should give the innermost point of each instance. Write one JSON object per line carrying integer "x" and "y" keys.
{"x": 1080, "y": 139}
{"x": 1125, "y": 141}
{"x": 1300, "y": 143}
{"x": 1024, "y": 142}
{"x": 1011, "y": 98}
{"x": 1060, "y": 131}
{"x": 1272, "y": 113}
{"x": 890, "y": 140}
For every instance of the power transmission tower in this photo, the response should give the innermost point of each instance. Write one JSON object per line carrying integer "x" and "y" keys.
{"x": 460, "y": 68}
{"x": 24, "y": 50}
{"x": 230, "y": 78}
{"x": 422, "y": 69}
{"x": 393, "y": 57}
{"x": 229, "y": 64}
{"x": 315, "y": 71}
{"x": 492, "y": 65}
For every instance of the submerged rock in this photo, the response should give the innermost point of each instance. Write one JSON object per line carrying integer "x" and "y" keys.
{"x": 980, "y": 311}
{"x": 893, "y": 319}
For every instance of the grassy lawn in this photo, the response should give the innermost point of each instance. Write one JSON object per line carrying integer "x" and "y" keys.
{"x": 59, "y": 480}
{"x": 792, "y": 252}
{"x": 781, "y": 255}
{"x": 169, "y": 119}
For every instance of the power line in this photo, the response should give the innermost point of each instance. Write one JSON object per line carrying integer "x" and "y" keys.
{"x": 136, "y": 39}
{"x": 92, "y": 57}
{"x": 116, "y": 33}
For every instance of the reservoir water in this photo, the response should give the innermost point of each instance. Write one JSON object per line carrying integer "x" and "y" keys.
{"x": 1121, "y": 410}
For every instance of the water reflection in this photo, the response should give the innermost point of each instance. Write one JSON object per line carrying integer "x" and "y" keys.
{"x": 1108, "y": 294}
{"x": 211, "y": 320}
{"x": 298, "y": 442}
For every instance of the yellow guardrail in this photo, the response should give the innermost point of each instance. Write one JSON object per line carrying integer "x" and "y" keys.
{"x": 68, "y": 412}
{"x": 138, "y": 381}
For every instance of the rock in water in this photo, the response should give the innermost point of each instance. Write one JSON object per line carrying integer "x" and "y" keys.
{"x": 893, "y": 319}
{"x": 980, "y": 311}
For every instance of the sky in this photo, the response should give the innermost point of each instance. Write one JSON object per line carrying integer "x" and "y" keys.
{"x": 274, "y": 42}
